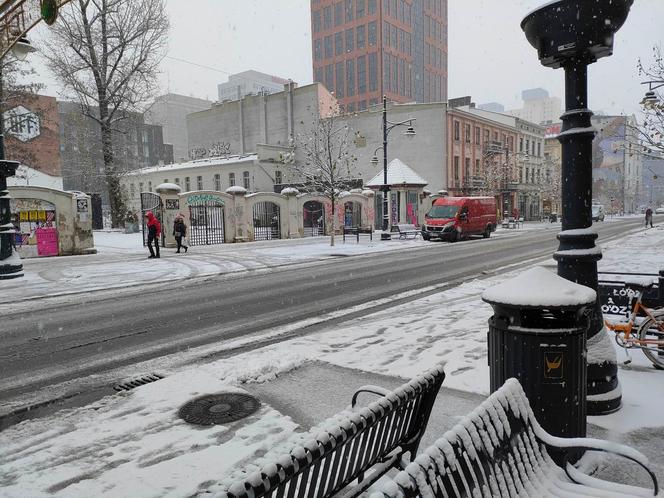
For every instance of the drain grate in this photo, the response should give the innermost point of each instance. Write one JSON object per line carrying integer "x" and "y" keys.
{"x": 219, "y": 408}
{"x": 141, "y": 381}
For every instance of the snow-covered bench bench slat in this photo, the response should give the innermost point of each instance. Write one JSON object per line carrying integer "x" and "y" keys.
{"x": 501, "y": 450}
{"x": 375, "y": 438}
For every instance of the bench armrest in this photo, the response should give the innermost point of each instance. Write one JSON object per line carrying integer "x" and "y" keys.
{"x": 578, "y": 477}
{"x": 377, "y": 390}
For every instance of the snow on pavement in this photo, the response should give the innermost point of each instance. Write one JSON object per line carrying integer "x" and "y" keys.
{"x": 134, "y": 444}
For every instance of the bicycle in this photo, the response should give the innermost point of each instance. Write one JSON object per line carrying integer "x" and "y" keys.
{"x": 649, "y": 335}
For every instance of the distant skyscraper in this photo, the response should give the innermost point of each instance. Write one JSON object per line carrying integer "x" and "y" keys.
{"x": 249, "y": 83}
{"x": 538, "y": 107}
{"x": 492, "y": 107}
{"x": 363, "y": 49}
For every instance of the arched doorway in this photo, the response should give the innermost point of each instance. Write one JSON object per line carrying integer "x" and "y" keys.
{"x": 267, "y": 220}
{"x": 313, "y": 218}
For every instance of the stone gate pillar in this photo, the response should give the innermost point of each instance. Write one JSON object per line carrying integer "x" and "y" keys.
{"x": 170, "y": 200}
{"x": 237, "y": 215}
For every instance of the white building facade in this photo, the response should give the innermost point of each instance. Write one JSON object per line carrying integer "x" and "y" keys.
{"x": 249, "y": 83}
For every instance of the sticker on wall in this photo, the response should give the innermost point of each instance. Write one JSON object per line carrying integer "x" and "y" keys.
{"x": 173, "y": 204}
{"x": 82, "y": 205}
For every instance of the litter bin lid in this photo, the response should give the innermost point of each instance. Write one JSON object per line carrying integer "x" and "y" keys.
{"x": 538, "y": 287}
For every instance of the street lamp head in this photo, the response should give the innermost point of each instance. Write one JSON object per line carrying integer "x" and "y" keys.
{"x": 410, "y": 132}
{"x": 374, "y": 161}
{"x": 22, "y": 48}
{"x": 650, "y": 100}
{"x": 567, "y": 30}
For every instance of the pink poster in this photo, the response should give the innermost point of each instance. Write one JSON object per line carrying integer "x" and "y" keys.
{"x": 47, "y": 241}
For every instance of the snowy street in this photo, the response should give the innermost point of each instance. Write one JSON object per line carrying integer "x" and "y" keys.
{"x": 133, "y": 443}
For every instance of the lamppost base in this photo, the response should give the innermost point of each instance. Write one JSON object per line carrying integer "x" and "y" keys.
{"x": 386, "y": 236}
{"x": 10, "y": 271}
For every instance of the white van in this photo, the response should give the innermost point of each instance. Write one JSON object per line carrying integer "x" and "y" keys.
{"x": 598, "y": 212}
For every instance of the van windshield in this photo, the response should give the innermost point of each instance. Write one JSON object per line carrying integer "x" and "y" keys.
{"x": 596, "y": 209}
{"x": 443, "y": 211}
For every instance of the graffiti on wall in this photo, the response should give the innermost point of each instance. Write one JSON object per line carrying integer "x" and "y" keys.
{"x": 220, "y": 149}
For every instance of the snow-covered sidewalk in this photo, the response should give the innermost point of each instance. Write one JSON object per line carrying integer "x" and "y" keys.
{"x": 134, "y": 444}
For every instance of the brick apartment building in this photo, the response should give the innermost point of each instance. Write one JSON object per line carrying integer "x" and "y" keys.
{"x": 481, "y": 157}
{"x": 363, "y": 49}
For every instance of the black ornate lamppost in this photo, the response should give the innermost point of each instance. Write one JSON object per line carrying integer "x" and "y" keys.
{"x": 387, "y": 128}
{"x": 573, "y": 34}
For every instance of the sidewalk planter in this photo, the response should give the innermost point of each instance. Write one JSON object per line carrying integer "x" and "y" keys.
{"x": 538, "y": 335}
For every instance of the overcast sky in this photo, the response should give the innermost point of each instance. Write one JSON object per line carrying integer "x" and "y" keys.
{"x": 489, "y": 57}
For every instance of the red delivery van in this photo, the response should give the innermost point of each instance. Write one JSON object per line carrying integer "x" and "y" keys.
{"x": 454, "y": 218}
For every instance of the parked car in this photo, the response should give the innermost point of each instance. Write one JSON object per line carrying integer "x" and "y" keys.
{"x": 659, "y": 210}
{"x": 598, "y": 212}
{"x": 454, "y": 218}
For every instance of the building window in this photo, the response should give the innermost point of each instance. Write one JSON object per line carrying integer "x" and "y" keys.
{"x": 521, "y": 144}
{"x": 359, "y": 9}
{"x": 231, "y": 179}
{"x": 329, "y": 51}
{"x": 132, "y": 190}
{"x": 510, "y": 143}
{"x": 361, "y": 34}
{"x": 165, "y": 180}
{"x": 319, "y": 75}
{"x": 177, "y": 182}
{"x": 372, "y": 33}
{"x": 338, "y": 14}
{"x": 456, "y": 130}
{"x": 187, "y": 184}
{"x": 338, "y": 43}
{"x": 371, "y": 7}
{"x": 245, "y": 179}
{"x": 487, "y": 134}
{"x": 350, "y": 40}
{"x": 361, "y": 75}
{"x": 140, "y": 187}
{"x": 329, "y": 77}
{"x": 217, "y": 181}
{"x": 456, "y": 169}
{"x": 327, "y": 17}
{"x": 149, "y": 186}
{"x": 467, "y": 172}
{"x": 373, "y": 72}
{"x": 467, "y": 133}
{"x": 316, "y": 21}
{"x": 199, "y": 182}
{"x": 350, "y": 12}
{"x": 539, "y": 149}
{"x": 278, "y": 178}
{"x": 340, "y": 84}
{"x": 478, "y": 135}
{"x": 350, "y": 77}
{"x": 318, "y": 49}
{"x": 527, "y": 175}
{"x": 477, "y": 167}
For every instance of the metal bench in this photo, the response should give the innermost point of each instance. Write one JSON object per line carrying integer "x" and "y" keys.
{"x": 501, "y": 450}
{"x": 408, "y": 229}
{"x": 357, "y": 231}
{"x": 361, "y": 447}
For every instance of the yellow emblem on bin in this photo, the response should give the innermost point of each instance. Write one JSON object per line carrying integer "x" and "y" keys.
{"x": 553, "y": 365}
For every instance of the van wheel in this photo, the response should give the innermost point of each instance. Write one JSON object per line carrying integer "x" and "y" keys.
{"x": 455, "y": 237}
{"x": 426, "y": 237}
{"x": 487, "y": 232}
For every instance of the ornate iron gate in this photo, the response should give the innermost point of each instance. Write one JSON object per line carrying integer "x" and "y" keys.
{"x": 313, "y": 217}
{"x": 267, "y": 221}
{"x": 152, "y": 202}
{"x": 206, "y": 223}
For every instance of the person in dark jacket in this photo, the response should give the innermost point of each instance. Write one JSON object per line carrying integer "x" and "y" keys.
{"x": 180, "y": 232}
{"x": 154, "y": 229}
{"x": 649, "y": 217}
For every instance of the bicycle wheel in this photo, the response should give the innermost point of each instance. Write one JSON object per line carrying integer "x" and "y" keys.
{"x": 653, "y": 329}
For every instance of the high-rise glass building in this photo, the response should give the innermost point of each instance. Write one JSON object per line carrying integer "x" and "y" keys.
{"x": 363, "y": 49}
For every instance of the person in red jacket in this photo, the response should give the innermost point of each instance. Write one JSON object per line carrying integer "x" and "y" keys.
{"x": 154, "y": 229}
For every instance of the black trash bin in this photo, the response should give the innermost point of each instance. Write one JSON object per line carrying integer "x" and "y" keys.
{"x": 538, "y": 335}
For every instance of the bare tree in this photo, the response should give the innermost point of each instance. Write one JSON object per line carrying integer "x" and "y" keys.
{"x": 106, "y": 54}
{"x": 328, "y": 167}
{"x": 651, "y": 133}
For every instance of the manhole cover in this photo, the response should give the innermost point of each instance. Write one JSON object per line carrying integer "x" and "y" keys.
{"x": 219, "y": 408}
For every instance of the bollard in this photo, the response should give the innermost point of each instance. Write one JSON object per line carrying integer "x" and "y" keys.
{"x": 538, "y": 335}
